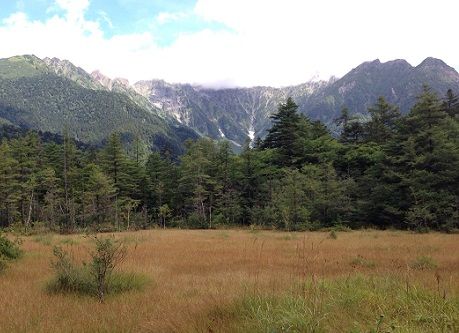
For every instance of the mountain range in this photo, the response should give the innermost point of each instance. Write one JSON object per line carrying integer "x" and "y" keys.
{"x": 51, "y": 94}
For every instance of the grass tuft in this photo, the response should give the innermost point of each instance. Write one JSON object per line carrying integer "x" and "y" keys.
{"x": 360, "y": 303}
{"x": 81, "y": 282}
{"x": 333, "y": 235}
{"x": 423, "y": 263}
{"x": 45, "y": 239}
{"x": 362, "y": 262}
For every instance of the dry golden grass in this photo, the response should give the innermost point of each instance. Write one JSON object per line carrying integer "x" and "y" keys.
{"x": 195, "y": 273}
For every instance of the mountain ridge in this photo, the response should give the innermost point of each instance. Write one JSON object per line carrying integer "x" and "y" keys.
{"x": 50, "y": 95}
{"x": 240, "y": 114}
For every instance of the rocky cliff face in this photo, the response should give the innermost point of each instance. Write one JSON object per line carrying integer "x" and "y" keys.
{"x": 242, "y": 114}
{"x": 237, "y": 115}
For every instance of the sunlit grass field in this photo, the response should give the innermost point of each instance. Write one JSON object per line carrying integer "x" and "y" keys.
{"x": 248, "y": 281}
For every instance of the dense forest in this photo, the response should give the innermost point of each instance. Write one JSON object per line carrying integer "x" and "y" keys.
{"x": 391, "y": 171}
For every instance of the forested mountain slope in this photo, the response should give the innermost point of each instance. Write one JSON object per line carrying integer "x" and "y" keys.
{"x": 34, "y": 95}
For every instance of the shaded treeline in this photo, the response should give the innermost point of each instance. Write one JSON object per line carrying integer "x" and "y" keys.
{"x": 391, "y": 171}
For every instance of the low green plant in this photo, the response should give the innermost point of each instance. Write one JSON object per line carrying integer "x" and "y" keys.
{"x": 223, "y": 234}
{"x": 352, "y": 304}
{"x": 423, "y": 263}
{"x": 69, "y": 278}
{"x": 106, "y": 257}
{"x": 69, "y": 241}
{"x": 3, "y": 264}
{"x": 96, "y": 278}
{"x": 333, "y": 235}
{"x": 45, "y": 239}
{"x": 362, "y": 262}
{"x": 9, "y": 250}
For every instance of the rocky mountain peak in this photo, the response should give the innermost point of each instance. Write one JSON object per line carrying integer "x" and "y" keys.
{"x": 435, "y": 63}
{"x": 109, "y": 83}
{"x": 438, "y": 69}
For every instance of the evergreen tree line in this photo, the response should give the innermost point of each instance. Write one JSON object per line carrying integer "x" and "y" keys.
{"x": 390, "y": 171}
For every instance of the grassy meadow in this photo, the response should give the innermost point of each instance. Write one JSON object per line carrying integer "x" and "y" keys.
{"x": 247, "y": 281}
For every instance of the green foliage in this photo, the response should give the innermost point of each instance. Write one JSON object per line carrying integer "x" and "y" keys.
{"x": 97, "y": 278}
{"x": 106, "y": 257}
{"x": 398, "y": 172}
{"x": 9, "y": 250}
{"x": 285, "y": 134}
{"x": 68, "y": 277}
{"x": 34, "y": 96}
{"x": 356, "y": 304}
{"x": 383, "y": 123}
{"x": 290, "y": 201}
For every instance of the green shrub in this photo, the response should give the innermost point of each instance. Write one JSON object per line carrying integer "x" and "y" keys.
{"x": 196, "y": 221}
{"x": 81, "y": 282}
{"x": 68, "y": 277}
{"x": 9, "y": 250}
{"x": 98, "y": 278}
{"x": 107, "y": 256}
{"x": 333, "y": 235}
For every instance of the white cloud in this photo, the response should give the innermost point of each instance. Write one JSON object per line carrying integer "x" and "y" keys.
{"x": 270, "y": 42}
{"x": 166, "y": 17}
{"x": 74, "y": 8}
{"x": 104, "y": 16}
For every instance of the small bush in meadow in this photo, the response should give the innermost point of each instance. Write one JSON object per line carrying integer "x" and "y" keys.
{"x": 97, "y": 278}
{"x": 9, "y": 250}
{"x": 69, "y": 278}
{"x": 333, "y": 235}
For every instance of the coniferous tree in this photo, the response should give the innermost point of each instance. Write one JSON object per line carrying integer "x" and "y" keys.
{"x": 50, "y": 197}
{"x": 291, "y": 202}
{"x": 99, "y": 197}
{"x": 68, "y": 172}
{"x": 285, "y": 135}
{"x": 27, "y": 152}
{"x": 383, "y": 123}
{"x": 352, "y": 131}
{"x": 451, "y": 104}
{"x": 196, "y": 184}
{"x": 9, "y": 186}
{"x": 429, "y": 164}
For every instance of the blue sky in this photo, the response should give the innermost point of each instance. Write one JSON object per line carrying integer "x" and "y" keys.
{"x": 227, "y": 43}
{"x": 124, "y": 16}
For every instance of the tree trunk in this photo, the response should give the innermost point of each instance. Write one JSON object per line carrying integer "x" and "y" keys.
{"x": 29, "y": 214}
